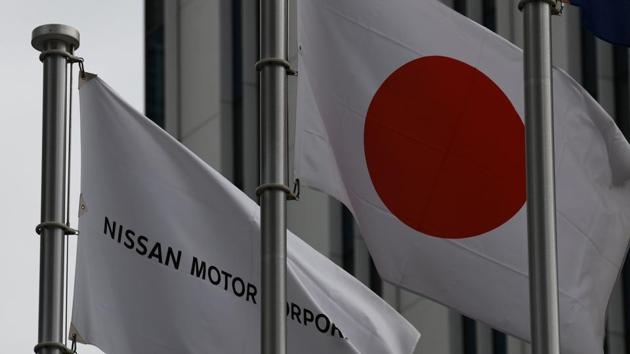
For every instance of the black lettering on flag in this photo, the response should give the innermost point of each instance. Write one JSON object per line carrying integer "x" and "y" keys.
{"x": 156, "y": 252}
{"x": 251, "y": 292}
{"x": 129, "y": 234}
{"x": 223, "y": 279}
{"x": 335, "y": 329}
{"x": 198, "y": 269}
{"x": 215, "y": 280}
{"x": 170, "y": 255}
{"x": 227, "y": 279}
{"x": 109, "y": 227}
{"x": 235, "y": 281}
{"x": 326, "y": 325}
{"x": 295, "y": 313}
{"x": 142, "y": 245}
{"x": 308, "y": 316}
{"x": 120, "y": 232}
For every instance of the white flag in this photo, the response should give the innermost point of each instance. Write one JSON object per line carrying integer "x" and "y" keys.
{"x": 411, "y": 115}
{"x": 168, "y": 258}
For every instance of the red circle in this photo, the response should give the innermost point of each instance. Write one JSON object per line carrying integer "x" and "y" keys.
{"x": 445, "y": 149}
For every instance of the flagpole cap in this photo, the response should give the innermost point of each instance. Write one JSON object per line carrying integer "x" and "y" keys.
{"x": 57, "y": 32}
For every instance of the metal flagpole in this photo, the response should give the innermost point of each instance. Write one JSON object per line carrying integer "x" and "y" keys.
{"x": 273, "y": 67}
{"x": 541, "y": 201}
{"x": 57, "y": 44}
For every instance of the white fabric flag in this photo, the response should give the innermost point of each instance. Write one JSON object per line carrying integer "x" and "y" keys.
{"x": 411, "y": 115}
{"x": 168, "y": 258}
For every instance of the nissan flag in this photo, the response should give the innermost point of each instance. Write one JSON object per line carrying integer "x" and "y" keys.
{"x": 169, "y": 255}
{"x": 412, "y": 116}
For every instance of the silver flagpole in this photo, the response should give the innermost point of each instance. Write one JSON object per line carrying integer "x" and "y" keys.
{"x": 541, "y": 199}
{"x": 56, "y": 43}
{"x": 273, "y": 67}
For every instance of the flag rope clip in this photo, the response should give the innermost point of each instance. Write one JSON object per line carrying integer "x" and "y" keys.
{"x": 54, "y": 345}
{"x": 71, "y": 59}
{"x": 67, "y": 230}
{"x": 291, "y": 195}
{"x": 277, "y": 62}
{"x": 557, "y": 6}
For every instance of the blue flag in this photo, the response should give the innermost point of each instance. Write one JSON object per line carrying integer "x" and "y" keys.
{"x": 607, "y": 19}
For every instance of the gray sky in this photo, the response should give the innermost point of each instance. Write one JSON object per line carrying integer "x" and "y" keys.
{"x": 112, "y": 44}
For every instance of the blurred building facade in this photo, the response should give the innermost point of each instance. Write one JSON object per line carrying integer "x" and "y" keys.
{"x": 201, "y": 86}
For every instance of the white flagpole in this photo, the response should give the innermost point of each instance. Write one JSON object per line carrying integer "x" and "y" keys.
{"x": 56, "y": 44}
{"x": 273, "y": 67}
{"x": 541, "y": 200}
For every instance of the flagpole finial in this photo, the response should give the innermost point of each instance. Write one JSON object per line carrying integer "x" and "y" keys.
{"x": 63, "y": 33}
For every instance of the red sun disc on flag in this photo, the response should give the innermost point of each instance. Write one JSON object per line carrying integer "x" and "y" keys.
{"x": 445, "y": 149}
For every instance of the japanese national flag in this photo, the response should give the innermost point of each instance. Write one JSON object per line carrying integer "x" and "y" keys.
{"x": 412, "y": 115}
